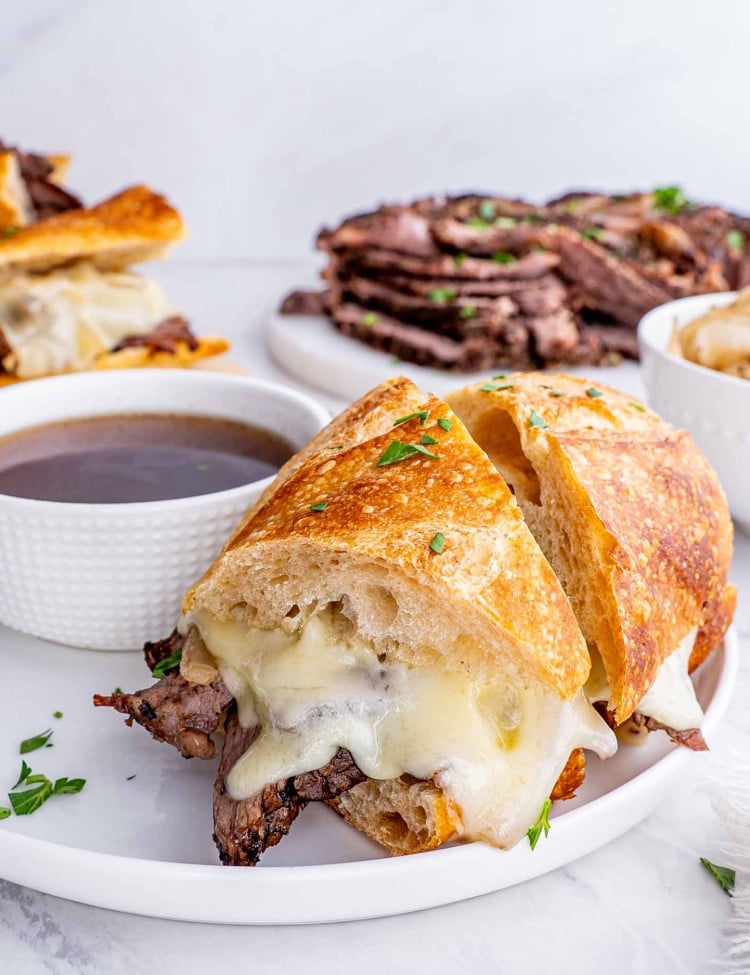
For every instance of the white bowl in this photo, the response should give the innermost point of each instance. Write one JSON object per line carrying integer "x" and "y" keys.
{"x": 111, "y": 576}
{"x": 712, "y": 406}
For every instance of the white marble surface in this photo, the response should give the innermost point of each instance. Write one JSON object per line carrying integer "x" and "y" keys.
{"x": 264, "y": 120}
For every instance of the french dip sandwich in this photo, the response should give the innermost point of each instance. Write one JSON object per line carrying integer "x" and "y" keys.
{"x": 635, "y": 524}
{"x": 383, "y": 632}
{"x": 68, "y": 300}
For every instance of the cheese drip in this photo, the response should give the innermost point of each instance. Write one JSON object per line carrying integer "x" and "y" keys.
{"x": 671, "y": 698}
{"x": 62, "y": 320}
{"x": 496, "y": 751}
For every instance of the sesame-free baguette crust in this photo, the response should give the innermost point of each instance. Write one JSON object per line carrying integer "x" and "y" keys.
{"x": 135, "y": 225}
{"x": 627, "y": 510}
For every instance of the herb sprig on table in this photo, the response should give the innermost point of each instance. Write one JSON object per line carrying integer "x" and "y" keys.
{"x": 33, "y": 789}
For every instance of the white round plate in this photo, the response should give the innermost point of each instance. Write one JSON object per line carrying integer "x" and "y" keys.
{"x": 143, "y": 845}
{"x": 309, "y": 348}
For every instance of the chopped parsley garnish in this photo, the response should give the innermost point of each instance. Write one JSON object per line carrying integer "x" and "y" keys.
{"x": 593, "y": 233}
{"x": 542, "y": 825}
{"x": 168, "y": 664}
{"x": 670, "y": 199}
{"x": 57, "y": 714}
{"x": 23, "y": 775}
{"x": 506, "y": 223}
{"x": 458, "y": 259}
{"x": 537, "y": 421}
{"x": 503, "y": 257}
{"x": 573, "y": 204}
{"x": 468, "y": 311}
{"x": 736, "y": 240}
{"x": 486, "y": 210}
{"x": 638, "y": 406}
{"x": 370, "y": 318}
{"x": 427, "y": 440}
{"x": 4, "y": 812}
{"x": 27, "y": 802}
{"x": 397, "y": 451}
{"x": 501, "y": 375}
{"x": 10, "y": 232}
{"x": 593, "y": 393}
{"x": 437, "y": 543}
{"x": 117, "y": 690}
{"x": 557, "y": 392}
{"x": 724, "y": 876}
{"x": 38, "y": 741}
{"x": 130, "y": 778}
{"x": 439, "y": 296}
{"x": 495, "y": 387}
{"x": 478, "y": 223}
{"x": 444, "y": 423}
{"x": 320, "y": 506}
{"x": 420, "y": 415}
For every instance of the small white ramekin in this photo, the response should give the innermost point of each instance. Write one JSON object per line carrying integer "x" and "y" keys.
{"x": 111, "y": 576}
{"x": 713, "y": 407}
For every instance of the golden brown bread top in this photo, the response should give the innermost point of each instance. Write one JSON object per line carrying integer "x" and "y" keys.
{"x": 641, "y": 493}
{"x": 135, "y": 225}
{"x": 490, "y": 568}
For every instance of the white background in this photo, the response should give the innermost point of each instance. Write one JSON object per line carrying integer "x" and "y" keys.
{"x": 263, "y": 121}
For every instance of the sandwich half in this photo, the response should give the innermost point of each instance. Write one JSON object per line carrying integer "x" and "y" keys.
{"x": 389, "y": 638}
{"x": 68, "y": 300}
{"x": 635, "y": 524}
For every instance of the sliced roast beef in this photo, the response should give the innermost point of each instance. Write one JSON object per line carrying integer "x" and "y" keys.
{"x": 163, "y": 338}
{"x": 175, "y": 711}
{"x": 396, "y": 228}
{"x": 244, "y": 828}
{"x": 691, "y": 738}
{"x": 305, "y": 303}
{"x": 460, "y": 265}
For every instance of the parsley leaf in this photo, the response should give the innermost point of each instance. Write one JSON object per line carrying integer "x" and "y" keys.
{"x": 57, "y": 714}
{"x": 27, "y": 802}
{"x": 459, "y": 258}
{"x": 117, "y": 690}
{"x": 468, "y": 311}
{"x": 421, "y": 415}
{"x": 557, "y": 392}
{"x": 444, "y": 423}
{"x": 736, "y": 240}
{"x": 10, "y": 232}
{"x": 541, "y": 825}
{"x": 724, "y": 876}
{"x": 4, "y": 812}
{"x": 670, "y": 199}
{"x": 638, "y": 406}
{"x": 501, "y": 375}
{"x": 486, "y": 210}
{"x": 68, "y": 787}
{"x": 397, "y": 451}
{"x": 24, "y": 774}
{"x": 320, "y": 506}
{"x": 439, "y": 296}
{"x": 494, "y": 387}
{"x": 38, "y": 741}
{"x": 506, "y": 223}
{"x": 437, "y": 543}
{"x": 537, "y": 421}
{"x": 478, "y": 223}
{"x": 593, "y": 233}
{"x": 427, "y": 440}
{"x": 168, "y": 664}
{"x": 593, "y": 393}
{"x": 503, "y": 257}
{"x": 370, "y": 318}
{"x": 130, "y": 777}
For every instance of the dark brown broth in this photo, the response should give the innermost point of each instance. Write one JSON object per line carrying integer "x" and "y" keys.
{"x": 136, "y": 457}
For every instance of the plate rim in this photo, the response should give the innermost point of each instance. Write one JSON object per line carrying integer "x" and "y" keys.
{"x": 60, "y": 858}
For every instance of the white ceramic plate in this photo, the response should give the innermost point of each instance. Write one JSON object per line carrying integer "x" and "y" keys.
{"x": 309, "y": 348}
{"x": 143, "y": 845}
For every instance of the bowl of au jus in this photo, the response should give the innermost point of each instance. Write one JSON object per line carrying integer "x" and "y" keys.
{"x": 118, "y": 490}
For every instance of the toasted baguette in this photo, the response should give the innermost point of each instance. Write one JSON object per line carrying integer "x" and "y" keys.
{"x": 627, "y": 510}
{"x": 489, "y": 606}
{"x": 16, "y": 207}
{"x": 133, "y": 226}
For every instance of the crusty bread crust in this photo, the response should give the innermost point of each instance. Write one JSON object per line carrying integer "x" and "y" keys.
{"x": 135, "y": 225}
{"x": 16, "y": 207}
{"x": 626, "y": 509}
{"x": 489, "y": 605}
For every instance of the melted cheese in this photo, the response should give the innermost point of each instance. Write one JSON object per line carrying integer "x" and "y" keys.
{"x": 62, "y": 320}
{"x": 670, "y": 699}
{"x": 495, "y": 751}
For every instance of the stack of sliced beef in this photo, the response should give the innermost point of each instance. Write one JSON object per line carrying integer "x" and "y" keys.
{"x": 475, "y": 282}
